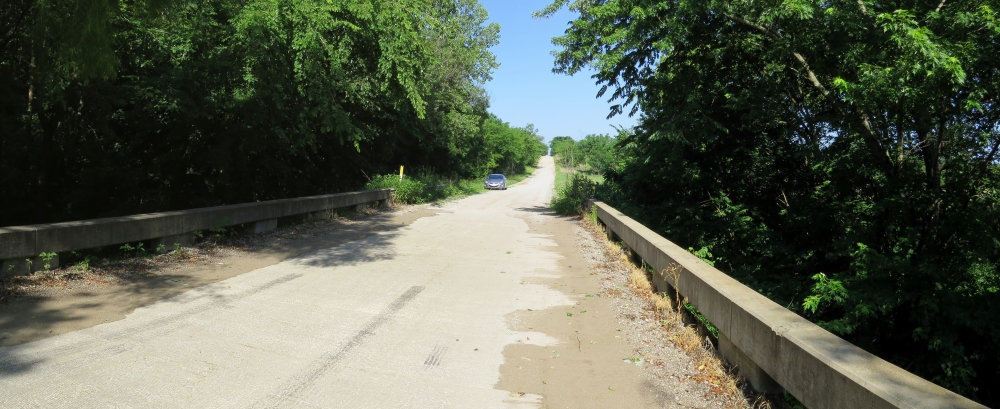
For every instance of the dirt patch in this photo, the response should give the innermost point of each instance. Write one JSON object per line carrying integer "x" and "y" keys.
{"x": 585, "y": 368}
{"x": 616, "y": 347}
{"x": 49, "y": 303}
{"x": 668, "y": 332}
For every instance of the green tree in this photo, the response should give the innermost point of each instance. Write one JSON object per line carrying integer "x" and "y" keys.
{"x": 115, "y": 108}
{"x": 791, "y": 138}
{"x": 510, "y": 149}
{"x": 564, "y": 147}
{"x": 597, "y": 151}
{"x": 51, "y": 49}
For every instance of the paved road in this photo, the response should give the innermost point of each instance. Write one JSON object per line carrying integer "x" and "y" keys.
{"x": 412, "y": 318}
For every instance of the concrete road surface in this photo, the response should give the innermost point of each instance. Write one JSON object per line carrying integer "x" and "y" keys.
{"x": 414, "y": 318}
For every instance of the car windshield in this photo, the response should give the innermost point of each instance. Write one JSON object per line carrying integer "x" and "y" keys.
{"x": 494, "y": 177}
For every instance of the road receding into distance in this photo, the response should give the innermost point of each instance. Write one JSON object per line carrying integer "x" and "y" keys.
{"x": 431, "y": 315}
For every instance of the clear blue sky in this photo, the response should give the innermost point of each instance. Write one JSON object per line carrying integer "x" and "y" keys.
{"x": 525, "y": 90}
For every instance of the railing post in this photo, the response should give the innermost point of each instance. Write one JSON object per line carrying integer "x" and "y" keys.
{"x": 612, "y": 237}
{"x": 262, "y": 226}
{"x": 746, "y": 368}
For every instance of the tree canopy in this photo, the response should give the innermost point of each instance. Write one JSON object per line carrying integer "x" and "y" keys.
{"x": 840, "y": 157}
{"x": 114, "y": 107}
{"x": 596, "y": 150}
{"x": 564, "y": 147}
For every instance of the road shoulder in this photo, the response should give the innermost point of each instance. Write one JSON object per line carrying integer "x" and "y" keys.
{"x": 613, "y": 350}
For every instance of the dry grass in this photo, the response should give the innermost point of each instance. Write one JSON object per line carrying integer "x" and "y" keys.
{"x": 683, "y": 330}
{"x": 663, "y": 305}
{"x": 637, "y": 278}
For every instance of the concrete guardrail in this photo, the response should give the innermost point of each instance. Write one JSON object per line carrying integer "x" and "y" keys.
{"x": 19, "y": 243}
{"x": 772, "y": 347}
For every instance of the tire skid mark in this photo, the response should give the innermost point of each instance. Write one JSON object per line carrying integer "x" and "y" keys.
{"x": 434, "y": 359}
{"x": 294, "y": 386}
{"x": 131, "y": 337}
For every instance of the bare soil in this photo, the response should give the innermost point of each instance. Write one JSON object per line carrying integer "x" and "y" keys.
{"x": 586, "y": 368}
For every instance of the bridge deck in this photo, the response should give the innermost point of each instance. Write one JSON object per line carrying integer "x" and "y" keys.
{"x": 427, "y": 315}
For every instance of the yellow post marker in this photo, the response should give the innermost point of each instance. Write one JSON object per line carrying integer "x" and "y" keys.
{"x": 400, "y": 172}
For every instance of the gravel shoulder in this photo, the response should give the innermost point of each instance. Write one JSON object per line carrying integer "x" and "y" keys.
{"x": 613, "y": 347}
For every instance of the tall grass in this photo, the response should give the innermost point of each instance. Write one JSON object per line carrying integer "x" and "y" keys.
{"x": 561, "y": 178}
{"x": 408, "y": 190}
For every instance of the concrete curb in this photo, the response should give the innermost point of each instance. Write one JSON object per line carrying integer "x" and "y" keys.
{"x": 20, "y": 242}
{"x": 772, "y": 347}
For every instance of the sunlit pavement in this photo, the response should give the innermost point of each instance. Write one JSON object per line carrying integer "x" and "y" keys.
{"x": 411, "y": 318}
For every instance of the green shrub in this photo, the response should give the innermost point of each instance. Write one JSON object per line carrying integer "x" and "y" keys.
{"x": 408, "y": 190}
{"x": 571, "y": 198}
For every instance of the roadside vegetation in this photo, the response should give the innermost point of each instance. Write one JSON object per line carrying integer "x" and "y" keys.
{"x": 510, "y": 150}
{"x": 841, "y": 158}
{"x": 156, "y": 105}
{"x": 589, "y": 157}
{"x": 579, "y": 169}
{"x": 426, "y": 188}
{"x": 520, "y": 177}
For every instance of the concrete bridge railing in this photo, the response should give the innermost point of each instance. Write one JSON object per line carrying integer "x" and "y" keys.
{"x": 20, "y": 243}
{"x": 772, "y": 347}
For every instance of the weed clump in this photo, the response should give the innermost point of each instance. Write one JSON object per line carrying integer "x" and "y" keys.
{"x": 408, "y": 190}
{"x": 573, "y": 196}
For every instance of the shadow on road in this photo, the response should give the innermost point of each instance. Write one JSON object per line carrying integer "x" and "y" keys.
{"x": 376, "y": 247}
{"x": 79, "y": 303}
{"x": 545, "y": 210}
